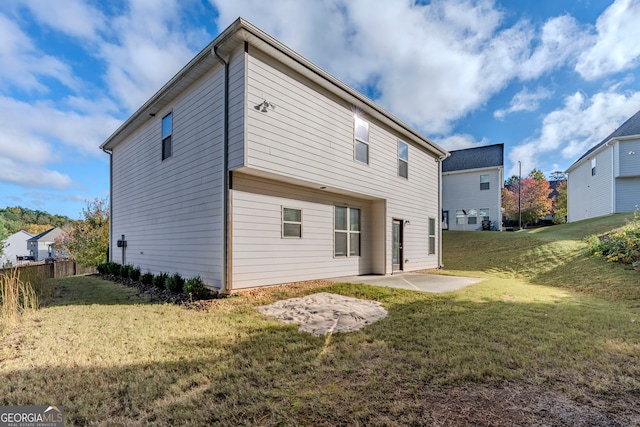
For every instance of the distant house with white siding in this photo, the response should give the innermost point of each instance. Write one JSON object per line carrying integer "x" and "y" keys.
{"x": 472, "y": 182}
{"x": 15, "y": 249}
{"x": 41, "y": 246}
{"x": 253, "y": 166}
{"x": 606, "y": 179}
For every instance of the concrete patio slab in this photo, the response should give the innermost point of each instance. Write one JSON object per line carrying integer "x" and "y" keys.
{"x": 434, "y": 283}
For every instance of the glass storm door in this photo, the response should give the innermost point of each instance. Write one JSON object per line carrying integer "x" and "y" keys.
{"x": 397, "y": 245}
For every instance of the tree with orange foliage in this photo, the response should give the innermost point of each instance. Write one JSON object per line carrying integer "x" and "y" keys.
{"x": 534, "y": 199}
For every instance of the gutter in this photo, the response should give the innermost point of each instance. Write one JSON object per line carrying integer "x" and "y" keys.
{"x": 110, "y": 153}
{"x": 225, "y": 286}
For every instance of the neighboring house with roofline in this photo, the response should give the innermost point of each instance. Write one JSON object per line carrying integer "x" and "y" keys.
{"x": 41, "y": 246}
{"x": 606, "y": 179}
{"x": 472, "y": 182}
{"x": 15, "y": 249}
{"x": 252, "y": 166}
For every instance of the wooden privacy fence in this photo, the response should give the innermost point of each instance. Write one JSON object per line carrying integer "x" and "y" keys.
{"x": 54, "y": 269}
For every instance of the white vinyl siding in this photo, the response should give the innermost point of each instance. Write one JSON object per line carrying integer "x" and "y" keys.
{"x": 237, "y": 102}
{"x": 309, "y": 138}
{"x": 629, "y": 155}
{"x": 627, "y": 194}
{"x": 171, "y": 212}
{"x": 461, "y": 192}
{"x": 588, "y": 195}
{"x": 262, "y": 257}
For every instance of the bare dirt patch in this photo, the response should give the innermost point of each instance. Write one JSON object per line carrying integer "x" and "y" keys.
{"x": 324, "y": 313}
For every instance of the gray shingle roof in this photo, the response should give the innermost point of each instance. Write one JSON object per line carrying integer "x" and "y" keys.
{"x": 474, "y": 158}
{"x": 45, "y": 233}
{"x": 628, "y": 128}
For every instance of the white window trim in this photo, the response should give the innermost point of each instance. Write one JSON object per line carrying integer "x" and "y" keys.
{"x": 348, "y": 232}
{"x": 356, "y": 140}
{"x": 403, "y": 160}
{"x": 291, "y": 222}
{"x": 488, "y": 182}
{"x": 432, "y": 236}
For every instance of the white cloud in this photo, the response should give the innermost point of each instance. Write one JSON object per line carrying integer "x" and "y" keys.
{"x": 460, "y": 142}
{"x": 22, "y": 64}
{"x": 150, "y": 44}
{"x": 577, "y": 126}
{"x": 616, "y": 47}
{"x": 524, "y": 101}
{"x": 32, "y": 177}
{"x": 560, "y": 39}
{"x": 430, "y": 64}
{"x": 72, "y": 17}
{"x": 38, "y": 125}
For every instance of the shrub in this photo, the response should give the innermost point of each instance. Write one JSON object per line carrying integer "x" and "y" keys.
{"x": 621, "y": 246}
{"x": 102, "y": 268}
{"x": 113, "y": 268}
{"x": 134, "y": 273}
{"x": 147, "y": 279}
{"x": 195, "y": 288}
{"x": 124, "y": 271}
{"x": 175, "y": 283}
{"x": 160, "y": 280}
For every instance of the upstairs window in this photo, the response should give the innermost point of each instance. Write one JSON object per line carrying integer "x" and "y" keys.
{"x": 403, "y": 159}
{"x": 361, "y": 133}
{"x": 167, "y": 131}
{"x": 346, "y": 232}
{"x": 484, "y": 182}
{"x": 291, "y": 222}
{"x": 593, "y": 167}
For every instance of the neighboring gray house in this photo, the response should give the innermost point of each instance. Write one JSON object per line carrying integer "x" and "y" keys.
{"x": 253, "y": 166}
{"x": 472, "y": 182}
{"x": 40, "y": 246}
{"x": 606, "y": 179}
{"x": 15, "y": 246}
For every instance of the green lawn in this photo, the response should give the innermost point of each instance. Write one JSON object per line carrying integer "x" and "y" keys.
{"x": 551, "y": 334}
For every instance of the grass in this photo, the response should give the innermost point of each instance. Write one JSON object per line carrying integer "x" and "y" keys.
{"x": 547, "y": 318}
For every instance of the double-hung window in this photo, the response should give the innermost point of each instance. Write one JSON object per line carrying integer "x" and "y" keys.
{"x": 484, "y": 214}
{"x": 403, "y": 159}
{"x": 593, "y": 167}
{"x": 291, "y": 222}
{"x": 361, "y": 140}
{"x": 473, "y": 217}
{"x": 432, "y": 236}
{"x": 346, "y": 231}
{"x": 460, "y": 214}
{"x": 167, "y": 132}
{"x": 484, "y": 182}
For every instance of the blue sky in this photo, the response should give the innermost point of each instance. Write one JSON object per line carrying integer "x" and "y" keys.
{"x": 548, "y": 78}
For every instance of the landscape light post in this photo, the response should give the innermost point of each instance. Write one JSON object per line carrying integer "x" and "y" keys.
{"x": 519, "y": 198}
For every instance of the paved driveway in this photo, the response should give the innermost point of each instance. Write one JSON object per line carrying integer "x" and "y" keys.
{"x": 433, "y": 283}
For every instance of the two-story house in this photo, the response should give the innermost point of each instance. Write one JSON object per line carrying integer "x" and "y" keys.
{"x": 41, "y": 246}
{"x": 472, "y": 182}
{"x": 606, "y": 179}
{"x": 14, "y": 249}
{"x": 253, "y": 166}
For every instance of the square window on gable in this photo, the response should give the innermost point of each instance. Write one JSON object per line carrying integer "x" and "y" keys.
{"x": 361, "y": 140}
{"x": 167, "y": 132}
{"x": 484, "y": 182}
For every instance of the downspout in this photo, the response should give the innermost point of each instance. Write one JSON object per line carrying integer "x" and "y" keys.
{"x": 110, "y": 153}
{"x": 439, "y": 160}
{"x": 224, "y": 284}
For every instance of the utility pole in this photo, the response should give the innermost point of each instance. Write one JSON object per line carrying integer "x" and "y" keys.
{"x": 519, "y": 195}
